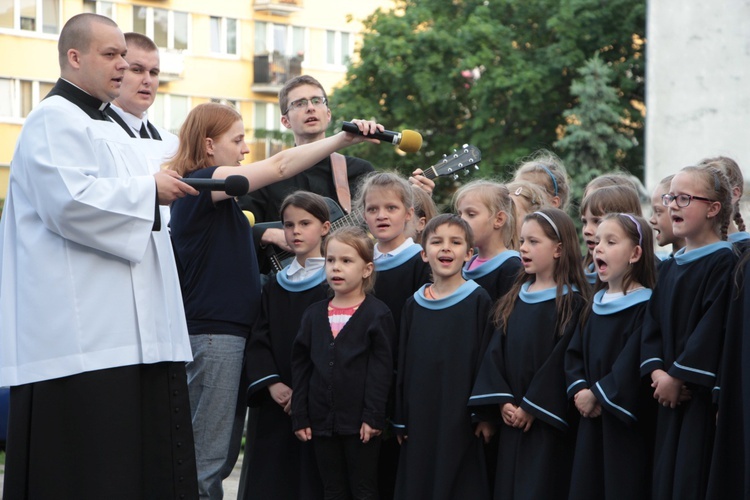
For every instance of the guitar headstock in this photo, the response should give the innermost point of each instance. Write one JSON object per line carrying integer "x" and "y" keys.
{"x": 460, "y": 159}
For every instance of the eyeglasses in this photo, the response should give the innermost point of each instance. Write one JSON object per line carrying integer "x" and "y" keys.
{"x": 302, "y": 103}
{"x": 682, "y": 200}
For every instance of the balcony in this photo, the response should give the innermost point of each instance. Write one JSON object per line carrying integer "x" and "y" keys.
{"x": 272, "y": 71}
{"x": 171, "y": 64}
{"x": 278, "y": 7}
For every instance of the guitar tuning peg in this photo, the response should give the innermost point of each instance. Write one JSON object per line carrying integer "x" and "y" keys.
{"x": 476, "y": 167}
{"x": 466, "y": 172}
{"x": 464, "y": 146}
{"x": 454, "y": 177}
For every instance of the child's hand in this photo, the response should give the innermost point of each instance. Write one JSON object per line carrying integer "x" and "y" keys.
{"x": 597, "y": 411}
{"x": 280, "y": 393}
{"x": 585, "y": 402}
{"x": 304, "y": 434}
{"x": 667, "y": 389}
{"x": 401, "y": 439}
{"x": 508, "y": 410}
{"x": 366, "y": 433}
{"x": 522, "y": 420}
{"x": 288, "y": 407}
{"x": 486, "y": 430}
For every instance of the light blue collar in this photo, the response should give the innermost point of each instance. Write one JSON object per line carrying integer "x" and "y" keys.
{"x": 620, "y": 304}
{"x": 737, "y": 237}
{"x": 590, "y": 272}
{"x": 451, "y": 300}
{"x": 489, "y": 266}
{"x": 682, "y": 257}
{"x": 398, "y": 259}
{"x": 311, "y": 281}
{"x": 540, "y": 296}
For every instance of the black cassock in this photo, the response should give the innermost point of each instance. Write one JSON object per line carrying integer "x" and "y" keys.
{"x": 612, "y": 452}
{"x": 280, "y": 465}
{"x": 683, "y": 334}
{"x": 442, "y": 342}
{"x": 524, "y": 365}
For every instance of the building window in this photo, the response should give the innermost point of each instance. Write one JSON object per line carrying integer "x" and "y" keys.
{"x": 39, "y": 16}
{"x": 280, "y": 38}
{"x": 167, "y": 28}
{"x": 106, "y": 9}
{"x": 18, "y": 97}
{"x": 223, "y": 35}
{"x": 338, "y": 47}
{"x": 169, "y": 111}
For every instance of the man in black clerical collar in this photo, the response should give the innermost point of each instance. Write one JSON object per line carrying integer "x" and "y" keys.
{"x": 139, "y": 85}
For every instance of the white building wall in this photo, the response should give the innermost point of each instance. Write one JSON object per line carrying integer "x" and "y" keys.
{"x": 697, "y": 84}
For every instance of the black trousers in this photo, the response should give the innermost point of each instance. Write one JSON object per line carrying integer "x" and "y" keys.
{"x": 120, "y": 433}
{"x": 348, "y": 467}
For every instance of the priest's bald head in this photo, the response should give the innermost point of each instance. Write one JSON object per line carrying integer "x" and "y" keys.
{"x": 91, "y": 50}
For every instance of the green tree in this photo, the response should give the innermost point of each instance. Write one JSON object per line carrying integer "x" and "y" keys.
{"x": 493, "y": 73}
{"x": 595, "y": 138}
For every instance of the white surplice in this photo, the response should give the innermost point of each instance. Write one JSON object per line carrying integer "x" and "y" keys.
{"x": 85, "y": 283}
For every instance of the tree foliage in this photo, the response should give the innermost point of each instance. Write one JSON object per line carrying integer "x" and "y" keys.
{"x": 493, "y": 73}
{"x": 594, "y": 138}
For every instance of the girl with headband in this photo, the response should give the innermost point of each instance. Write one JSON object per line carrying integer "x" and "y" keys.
{"x": 547, "y": 171}
{"x": 683, "y": 332}
{"x": 522, "y": 380}
{"x": 601, "y": 366}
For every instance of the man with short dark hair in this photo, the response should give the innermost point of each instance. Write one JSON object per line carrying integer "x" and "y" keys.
{"x": 93, "y": 340}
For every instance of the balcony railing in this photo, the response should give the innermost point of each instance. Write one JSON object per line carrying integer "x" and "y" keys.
{"x": 172, "y": 65}
{"x": 272, "y": 71}
{"x": 278, "y": 7}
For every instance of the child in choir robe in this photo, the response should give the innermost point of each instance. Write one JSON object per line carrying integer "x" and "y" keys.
{"x": 387, "y": 201}
{"x": 488, "y": 209}
{"x": 280, "y": 466}
{"x": 342, "y": 368}
{"x": 445, "y": 329}
{"x": 522, "y": 378}
{"x": 601, "y": 365}
{"x": 683, "y": 331}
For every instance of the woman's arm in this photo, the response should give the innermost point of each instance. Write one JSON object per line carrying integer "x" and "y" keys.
{"x": 291, "y": 162}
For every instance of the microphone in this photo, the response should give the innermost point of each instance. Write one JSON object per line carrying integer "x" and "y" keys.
{"x": 233, "y": 185}
{"x": 408, "y": 141}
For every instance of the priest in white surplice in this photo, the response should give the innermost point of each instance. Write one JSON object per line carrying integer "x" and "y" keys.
{"x": 93, "y": 337}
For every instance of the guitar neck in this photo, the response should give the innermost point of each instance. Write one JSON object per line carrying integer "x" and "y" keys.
{"x": 355, "y": 218}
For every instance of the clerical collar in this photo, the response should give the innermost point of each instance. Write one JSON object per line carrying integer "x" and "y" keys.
{"x": 130, "y": 120}
{"x": 89, "y": 104}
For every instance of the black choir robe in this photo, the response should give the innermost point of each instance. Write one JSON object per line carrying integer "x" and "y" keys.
{"x": 730, "y": 463}
{"x": 497, "y": 275}
{"x": 612, "y": 451}
{"x": 280, "y": 466}
{"x": 683, "y": 334}
{"x": 397, "y": 279}
{"x": 442, "y": 343}
{"x": 524, "y": 365}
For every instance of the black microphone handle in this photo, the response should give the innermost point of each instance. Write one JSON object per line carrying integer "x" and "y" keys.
{"x": 233, "y": 185}
{"x": 385, "y": 136}
{"x": 206, "y": 184}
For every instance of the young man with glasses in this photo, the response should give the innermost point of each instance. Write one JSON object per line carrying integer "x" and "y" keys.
{"x": 304, "y": 106}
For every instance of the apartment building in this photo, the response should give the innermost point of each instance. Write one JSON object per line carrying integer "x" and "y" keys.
{"x": 236, "y": 52}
